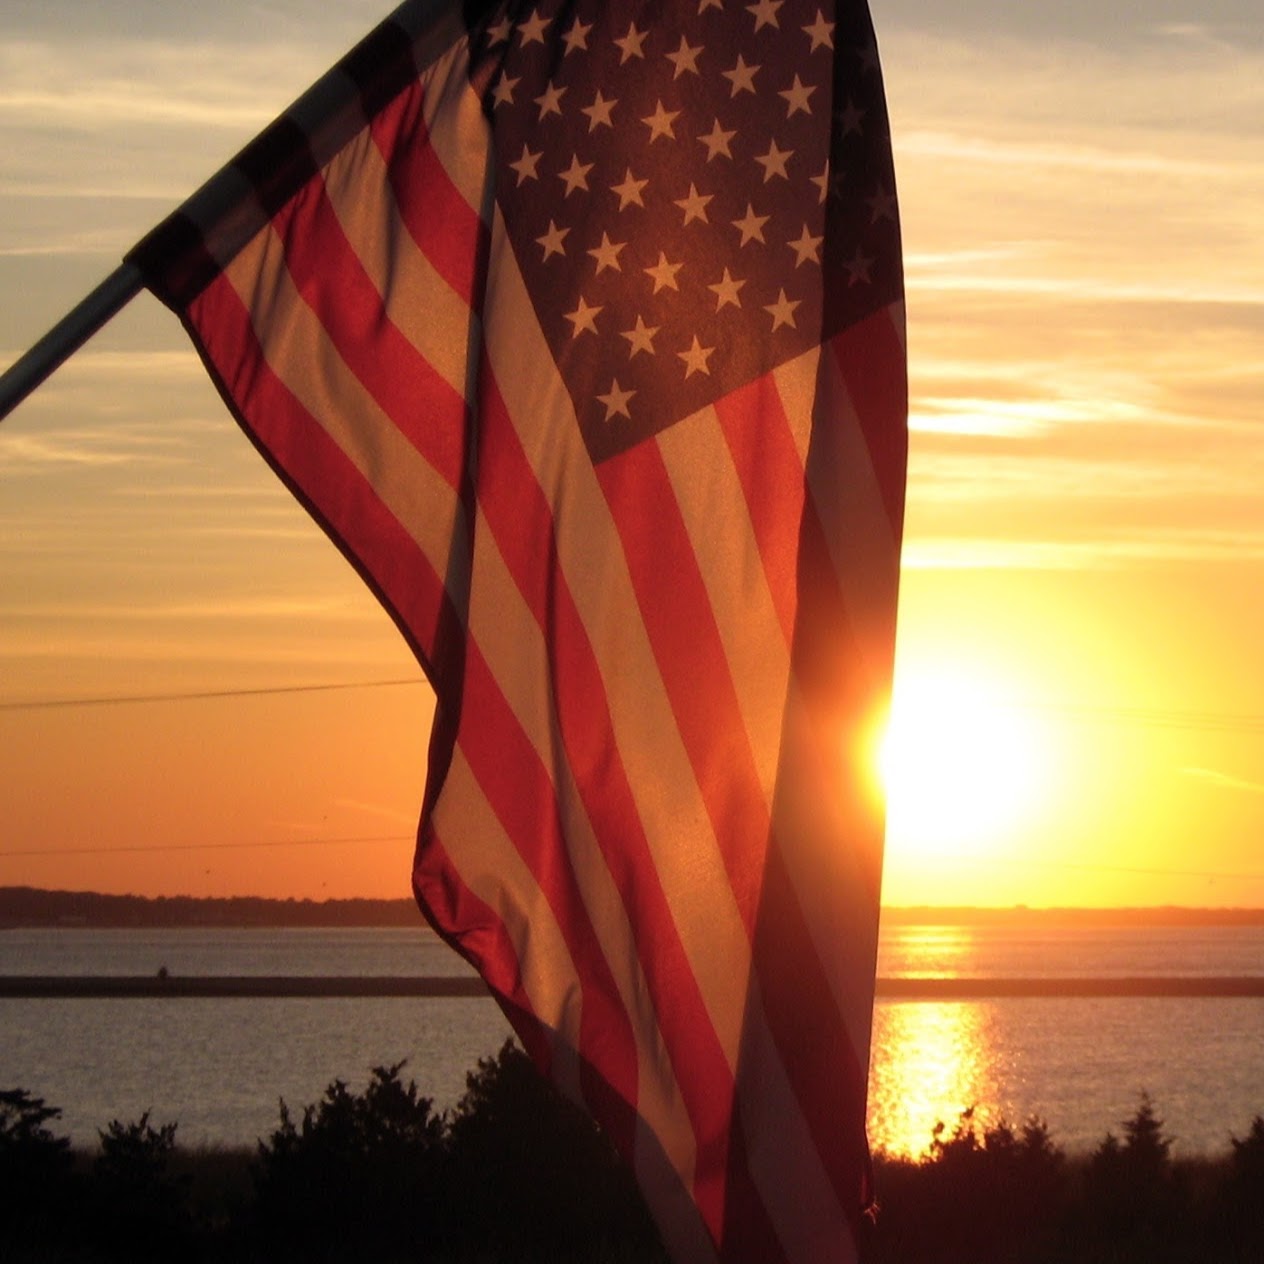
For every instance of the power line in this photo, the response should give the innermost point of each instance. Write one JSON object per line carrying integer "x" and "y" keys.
{"x": 166, "y": 847}
{"x": 1145, "y": 717}
{"x": 49, "y": 704}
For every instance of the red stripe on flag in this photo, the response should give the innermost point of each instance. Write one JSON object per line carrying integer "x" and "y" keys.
{"x": 518, "y": 788}
{"x": 834, "y": 665}
{"x": 840, "y": 691}
{"x": 484, "y": 941}
{"x": 811, "y": 1036}
{"x": 447, "y": 230}
{"x": 749, "y": 1235}
{"x": 328, "y": 273}
{"x": 770, "y": 470}
{"x": 870, "y": 360}
{"x": 521, "y": 520}
{"x": 323, "y": 478}
{"x": 690, "y": 654}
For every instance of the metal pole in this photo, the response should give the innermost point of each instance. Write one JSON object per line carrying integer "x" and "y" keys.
{"x": 68, "y": 335}
{"x": 432, "y": 25}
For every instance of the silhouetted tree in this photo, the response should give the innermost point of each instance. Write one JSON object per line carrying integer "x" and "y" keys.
{"x": 535, "y": 1178}
{"x": 140, "y": 1208}
{"x": 35, "y": 1170}
{"x": 1242, "y": 1194}
{"x": 993, "y": 1194}
{"x": 361, "y": 1177}
{"x": 1133, "y": 1200}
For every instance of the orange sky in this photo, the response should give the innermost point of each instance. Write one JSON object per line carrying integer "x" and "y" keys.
{"x": 1085, "y": 543}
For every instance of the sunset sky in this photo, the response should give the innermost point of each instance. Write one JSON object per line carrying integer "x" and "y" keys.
{"x": 1079, "y": 710}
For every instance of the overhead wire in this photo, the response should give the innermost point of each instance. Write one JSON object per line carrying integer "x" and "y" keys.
{"x": 111, "y": 700}
{"x": 1191, "y": 720}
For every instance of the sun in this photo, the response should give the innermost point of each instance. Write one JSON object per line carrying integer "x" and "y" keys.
{"x": 964, "y": 764}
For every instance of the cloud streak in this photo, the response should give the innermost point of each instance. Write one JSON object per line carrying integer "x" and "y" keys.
{"x": 1224, "y": 780}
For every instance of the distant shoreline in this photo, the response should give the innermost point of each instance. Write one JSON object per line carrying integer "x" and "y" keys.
{"x": 272, "y": 987}
{"x": 32, "y": 907}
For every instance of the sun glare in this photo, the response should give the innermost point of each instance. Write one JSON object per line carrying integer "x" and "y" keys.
{"x": 964, "y": 766}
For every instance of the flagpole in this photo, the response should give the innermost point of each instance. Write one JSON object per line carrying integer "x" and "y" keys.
{"x": 438, "y": 21}
{"x": 68, "y": 335}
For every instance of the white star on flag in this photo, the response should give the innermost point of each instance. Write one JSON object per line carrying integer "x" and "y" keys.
{"x": 782, "y": 311}
{"x": 629, "y": 191}
{"x": 550, "y": 100}
{"x": 660, "y": 123}
{"x": 820, "y": 32}
{"x": 576, "y": 175}
{"x": 774, "y": 161}
{"x": 685, "y": 58}
{"x": 607, "y": 254}
{"x": 553, "y": 239}
{"x": 742, "y": 76}
{"x": 526, "y": 165}
{"x": 599, "y": 112}
{"x": 584, "y": 318}
{"x": 726, "y": 291}
{"x": 752, "y": 226}
{"x": 616, "y": 401}
{"x": 797, "y": 97}
{"x": 695, "y": 358}
{"x": 664, "y": 273}
{"x": 717, "y": 141}
{"x": 576, "y": 39}
{"x": 641, "y": 337}
{"x": 532, "y": 30}
{"x": 631, "y": 43}
{"x": 765, "y": 13}
{"x": 695, "y": 205}
{"x": 502, "y": 94}
{"x": 807, "y": 248}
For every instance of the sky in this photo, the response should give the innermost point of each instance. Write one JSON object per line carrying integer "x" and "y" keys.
{"x": 1079, "y": 708}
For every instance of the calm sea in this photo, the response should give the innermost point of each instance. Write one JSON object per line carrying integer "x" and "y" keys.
{"x": 219, "y": 1067}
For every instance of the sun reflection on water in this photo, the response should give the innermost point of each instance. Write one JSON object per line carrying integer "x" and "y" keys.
{"x": 931, "y": 1061}
{"x": 919, "y": 952}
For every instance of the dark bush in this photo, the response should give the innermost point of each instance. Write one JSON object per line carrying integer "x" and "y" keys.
{"x": 536, "y": 1180}
{"x": 36, "y": 1180}
{"x": 1242, "y": 1194}
{"x": 990, "y": 1194}
{"x": 361, "y": 1177}
{"x": 140, "y": 1203}
{"x": 517, "y": 1175}
{"x": 1133, "y": 1201}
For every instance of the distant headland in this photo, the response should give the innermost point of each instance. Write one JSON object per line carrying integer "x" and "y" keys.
{"x": 34, "y": 907}
{"x": 31, "y": 906}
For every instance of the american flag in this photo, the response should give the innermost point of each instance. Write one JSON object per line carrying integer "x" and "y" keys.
{"x": 579, "y": 328}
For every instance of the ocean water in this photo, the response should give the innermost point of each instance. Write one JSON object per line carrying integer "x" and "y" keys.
{"x": 220, "y": 1066}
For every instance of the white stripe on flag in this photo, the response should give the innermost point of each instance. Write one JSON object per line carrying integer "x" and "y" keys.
{"x": 298, "y": 349}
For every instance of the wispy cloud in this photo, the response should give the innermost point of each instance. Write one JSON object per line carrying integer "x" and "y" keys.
{"x": 382, "y": 811}
{"x": 1224, "y": 780}
{"x": 146, "y": 82}
{"x": 1085, "y": 267}
{"x": 1159, "y": 547}
{"x": 33, "y": 453}
{"x": 217, "y": 609}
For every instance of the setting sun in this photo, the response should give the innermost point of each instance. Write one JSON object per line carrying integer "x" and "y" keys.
{"x": 964, "y": 766}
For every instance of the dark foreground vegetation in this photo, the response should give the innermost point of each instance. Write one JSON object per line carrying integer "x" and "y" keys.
{"x": 515, "y": 1173}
